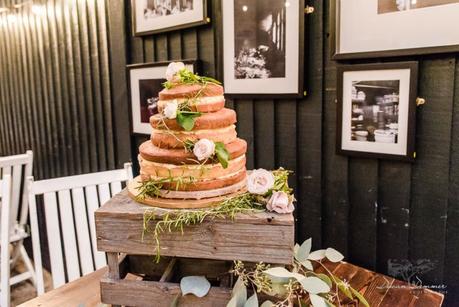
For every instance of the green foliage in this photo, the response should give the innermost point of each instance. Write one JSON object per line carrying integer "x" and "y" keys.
{"x": 185, "y": 76}
{"x": 186, "y": 119}
{"x": 297, "y": 284}
{"x": 177, "y": 220}
{"x": 222, "y": 154}
{"x": 152, "y": 188}
{"x": 281, "y": 181}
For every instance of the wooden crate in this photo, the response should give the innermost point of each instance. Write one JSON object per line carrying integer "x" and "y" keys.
{"x": 266, "y": 237}
{"x": 139, "y": 281}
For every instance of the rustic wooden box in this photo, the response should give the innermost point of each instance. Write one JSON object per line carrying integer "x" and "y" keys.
{"x": 139, "y": 281}
{"x": 266, "y": 237}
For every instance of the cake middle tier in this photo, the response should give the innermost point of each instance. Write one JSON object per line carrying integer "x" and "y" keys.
{"x": 176, "y": 139}
{"x": 179, "y": 156}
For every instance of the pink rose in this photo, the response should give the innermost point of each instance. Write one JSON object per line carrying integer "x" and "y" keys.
{"x": 204, "y": 149}
{"x": 280, "y": 203}
{"x": 260, "y": 181}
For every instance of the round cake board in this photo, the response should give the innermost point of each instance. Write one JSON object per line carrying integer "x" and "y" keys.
{"x": 172, "y": 203}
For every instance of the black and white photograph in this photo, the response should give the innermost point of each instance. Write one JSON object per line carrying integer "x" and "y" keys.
{"x": 376, "y": 105}
{"x": 262, "y": 46}
{"x": 384, "y": 28}
{"x": 154, "y": 16}
{"x": 146, "y": 81}
{"x": 391, "y": 6}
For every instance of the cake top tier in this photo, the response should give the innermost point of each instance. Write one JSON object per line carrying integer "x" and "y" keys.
{"x": 183, "y": 90}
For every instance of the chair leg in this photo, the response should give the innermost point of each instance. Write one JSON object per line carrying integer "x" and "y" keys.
{"x": 28, "y": 264}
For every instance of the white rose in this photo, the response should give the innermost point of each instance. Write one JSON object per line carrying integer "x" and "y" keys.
{"x": 204, "y": 149}
{"x": 280, "y": 203}
{"x": 260, "y": 181}
{"x": 173, "y": 69}
{"x": 170, "y": 110}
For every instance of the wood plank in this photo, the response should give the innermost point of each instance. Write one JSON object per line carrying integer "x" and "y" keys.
{"x": 335, "y": 212}
{"x": 161, "y": 47}
{"x": 213, "y": 239}
{"x": 264, "y": 134}
{"x": 431, "y": 170}
{"x": 309, "y": 135}
{"x": 452, "y": 235}
{"x": 363, "y": 197}
{"x": 244, "y": 127}
{"x": 394, "y": 188}
{"x": 142, "y": 293}
{"x": 82, "y": 292}
{"x": 175, "y": 46}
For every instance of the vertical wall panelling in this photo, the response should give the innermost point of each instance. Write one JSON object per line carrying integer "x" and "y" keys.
{"x": 55, "y": 95}
{"x": 430, "y": 179}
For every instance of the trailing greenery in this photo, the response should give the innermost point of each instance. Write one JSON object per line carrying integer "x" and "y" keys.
{"x": 152, "y": 188}
{"x": 297, "y": 284}
{"x": 177, "y": 220}
{"x": 185, "y": 76}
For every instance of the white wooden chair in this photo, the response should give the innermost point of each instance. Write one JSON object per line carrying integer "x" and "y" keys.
{"x": 17, "y": 168}
{"x": 70, "y": 222}
{"x": 5, "y": 196}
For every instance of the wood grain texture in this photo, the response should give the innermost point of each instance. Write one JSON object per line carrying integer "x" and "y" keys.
{"x": 119, "y": 227}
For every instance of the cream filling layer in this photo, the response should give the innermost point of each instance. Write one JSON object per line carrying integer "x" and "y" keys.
{"x": 201, "y": 100}
{"x": 196, "y": 132}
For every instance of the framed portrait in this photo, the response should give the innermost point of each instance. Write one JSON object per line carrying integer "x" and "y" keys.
{"x": 382, "y": 28}
{"x": 145, "y": 82}
{"x": 263, "y": 47}
{"x": 155, "y": 16}
{"x": 376, "y": 110}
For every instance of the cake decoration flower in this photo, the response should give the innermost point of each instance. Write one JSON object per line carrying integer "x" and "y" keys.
{"x": 260, "y": 181}
{"x": 170, "y": 110}
{"x": 173, "y": 69}
{"x": 204, "y": 149}
{"x": 280, "y": 202}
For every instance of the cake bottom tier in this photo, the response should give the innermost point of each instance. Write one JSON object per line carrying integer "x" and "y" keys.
{"x": 187, "y": 199}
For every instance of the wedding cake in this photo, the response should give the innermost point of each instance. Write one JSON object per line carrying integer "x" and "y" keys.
{"x": 194, "y": 152}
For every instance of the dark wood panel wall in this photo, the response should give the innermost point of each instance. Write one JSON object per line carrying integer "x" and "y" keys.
{"x": 55, "y": 95}
{"x": 63, "y": 94}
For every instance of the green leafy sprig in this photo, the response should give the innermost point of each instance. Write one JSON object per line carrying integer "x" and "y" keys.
{"x": 185, "y": 76}
{"x": 152, "y": 188}
{"x": 221, "y": 155}
{"x": 177, "y": 220}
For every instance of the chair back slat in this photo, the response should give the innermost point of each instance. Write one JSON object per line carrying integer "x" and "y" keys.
{"x": 19, "y": 167}
{"x": 54, "y": 239}
{"x": 70, "y": 204}
{"x": 115, "y": 187}
{"x": 81, "y": 221}
{"x": 5, "y": 192}
{"x": 16, "y": 186}
{"x": 68, "y": 235}
{"x": 93, "y": 205}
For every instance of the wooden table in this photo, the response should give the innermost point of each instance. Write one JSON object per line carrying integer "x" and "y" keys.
{"x": 378, "y": 289}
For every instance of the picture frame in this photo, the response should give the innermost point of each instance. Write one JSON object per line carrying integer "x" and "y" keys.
{"x": 267, "y": 62}
{"x": 376, "y": 110}
{"x": 386, "y": 33}
{"x": 145, "y": 82}
{"x": 159, "y": 16}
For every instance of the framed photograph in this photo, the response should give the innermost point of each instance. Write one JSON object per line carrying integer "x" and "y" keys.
{"x": 155, "y": 16}
{"x": 145, "y": 82}
{"x": 263, "y": 47}
{"x": 376, "y": 110}
{"x": 381, "y": 28}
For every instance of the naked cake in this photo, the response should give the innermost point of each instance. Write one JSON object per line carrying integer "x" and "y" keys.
{"x": 194, "y": 152}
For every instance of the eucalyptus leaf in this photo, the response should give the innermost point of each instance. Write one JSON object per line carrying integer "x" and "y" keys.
{"x": 304, "y": 250}
{"x": 307, "y": 264}
{"x": 267, "y": 303}
{"x": 252, "y": 301}
{"x": 317, "y": 255}
{"x": 360, "y": 297}
{"x": 295, "y": 249}
{"x": 283, "y": 273}
{"x": 174, "y": 302}
{"x": 317, "y": 301}
{"x": 325, "y": 278}
{"x": 333, "y": 255}
{"x": 222, "y": 153}
{"x": 278, "y": 287}
{"x": 197, "y": 285}
{"x": 239, "y": 294}
{"x": 314, "y": 285}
